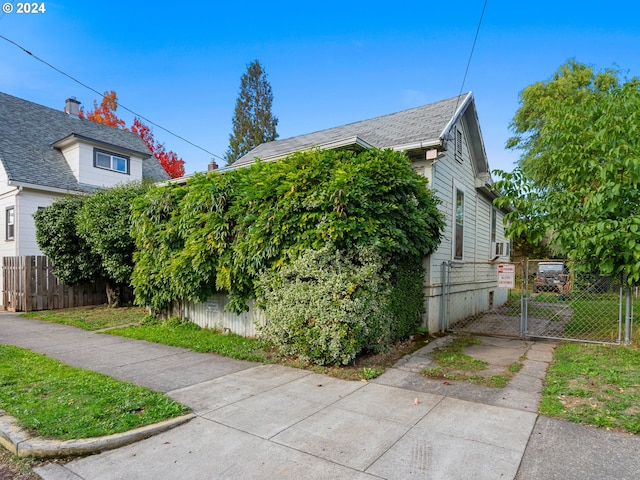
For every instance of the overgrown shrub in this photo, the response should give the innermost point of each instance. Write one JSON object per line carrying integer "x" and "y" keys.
{"x": 327, "y": 306}
{"x": 220, "y": 232}
{"x": 89, "y": 237}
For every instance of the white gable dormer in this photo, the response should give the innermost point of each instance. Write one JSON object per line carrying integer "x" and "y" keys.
{"x": 98, "y": 163}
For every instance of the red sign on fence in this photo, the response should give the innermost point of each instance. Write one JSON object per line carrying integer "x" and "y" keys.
{"x": 506, "y": 275}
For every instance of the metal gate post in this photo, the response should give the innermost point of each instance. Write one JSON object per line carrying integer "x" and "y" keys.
{"x": 621, "y": 312}
{"x": 628, "y": 317}
{"x": 524, "y": 299}
{"x": 442, "y": 296}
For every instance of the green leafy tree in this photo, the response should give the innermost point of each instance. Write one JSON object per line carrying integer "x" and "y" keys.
{"x": 579, "y": 176}
{"x": 574, "y": 83}
{"x": 253, "y": 122}
{"x": 104, "y": 223}
{"x": 57, "y": 237}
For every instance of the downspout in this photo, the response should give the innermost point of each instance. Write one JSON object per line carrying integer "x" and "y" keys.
{"x": 16, "y": 229}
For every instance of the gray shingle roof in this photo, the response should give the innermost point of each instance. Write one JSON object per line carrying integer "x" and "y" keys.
{"x": 28, "y": 130}
{"x": 420, "y": 124}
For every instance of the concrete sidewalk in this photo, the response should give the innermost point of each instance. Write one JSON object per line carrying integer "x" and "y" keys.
{"x": 268, "y": 421}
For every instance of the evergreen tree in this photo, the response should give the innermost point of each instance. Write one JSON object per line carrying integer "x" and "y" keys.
{"x": 253, "y": 122}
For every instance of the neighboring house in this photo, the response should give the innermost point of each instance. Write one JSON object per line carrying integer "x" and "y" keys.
{"x": 444, "y": 142}
{"x": 46, "y": 154}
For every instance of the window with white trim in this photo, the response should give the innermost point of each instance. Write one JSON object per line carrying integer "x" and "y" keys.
{"x": 458, "y": 233}
{"x": 494, "y": 225}
{"x": 110, "y": 161}
{"x": 10, "y": 221}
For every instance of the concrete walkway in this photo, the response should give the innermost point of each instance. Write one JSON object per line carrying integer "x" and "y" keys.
{"x": 268, "y": 421}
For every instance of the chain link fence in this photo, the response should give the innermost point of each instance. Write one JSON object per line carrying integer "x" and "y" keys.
{"x": 546, "y": 299}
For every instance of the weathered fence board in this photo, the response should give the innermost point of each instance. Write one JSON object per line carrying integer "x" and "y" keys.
{"x": 28, "y": 284}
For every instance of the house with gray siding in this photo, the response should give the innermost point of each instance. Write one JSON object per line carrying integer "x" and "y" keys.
{"x": 444, "y": 142}
{"x": 46, "y": 154}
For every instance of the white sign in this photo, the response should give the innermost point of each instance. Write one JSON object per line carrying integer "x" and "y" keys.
{"x": 212, "y": 307}
{"x": 506, "y": 275}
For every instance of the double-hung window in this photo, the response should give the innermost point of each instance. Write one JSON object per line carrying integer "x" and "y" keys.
{"x": 110, "y": 161}
{"x": 10, "y": 221}
{"x": 458, "y": 233}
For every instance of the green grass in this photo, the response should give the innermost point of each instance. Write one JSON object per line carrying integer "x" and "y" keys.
{"x": 91, "y": 318}
{"x": 454, "y": 364}
{"x": 189, "y": 335}
{"x": 59, "y": 401}
{"x": 452, "y": 357}
{"x": 594, "y": 385}
{"x": 367, "y": 373}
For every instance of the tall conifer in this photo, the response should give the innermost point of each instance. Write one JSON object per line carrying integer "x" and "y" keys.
{"x": 253, "y": 122}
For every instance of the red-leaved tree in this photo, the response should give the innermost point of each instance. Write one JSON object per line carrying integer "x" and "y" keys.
{"x": 105, "y": 114}
{"x": 173, "y": 165}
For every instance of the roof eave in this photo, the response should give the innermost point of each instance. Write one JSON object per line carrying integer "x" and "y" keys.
{"x": 74, "y": 137}
{"x": 456, "y": 116}
{"x": 422, "y": 145}
{"x": 45, "y": 188}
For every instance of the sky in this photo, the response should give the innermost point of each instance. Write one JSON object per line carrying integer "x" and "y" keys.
{"x": 329, "y": 63}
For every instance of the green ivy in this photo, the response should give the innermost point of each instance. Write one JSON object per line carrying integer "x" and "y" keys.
{"x": 220, "y": 232}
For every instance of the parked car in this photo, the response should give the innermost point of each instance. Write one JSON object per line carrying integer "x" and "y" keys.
{"x": 550, "y": 277}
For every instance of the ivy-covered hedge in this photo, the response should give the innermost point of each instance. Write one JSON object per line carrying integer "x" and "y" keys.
{"x": 219, "y": 232}
{"x": 236, "y": 231}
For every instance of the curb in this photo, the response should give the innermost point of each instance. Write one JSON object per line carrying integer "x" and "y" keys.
{"x": 19, "y": 442}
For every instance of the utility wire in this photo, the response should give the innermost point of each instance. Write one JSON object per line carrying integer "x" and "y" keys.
{"x": 102, "y": 95}
{"x": 475, "y": 39}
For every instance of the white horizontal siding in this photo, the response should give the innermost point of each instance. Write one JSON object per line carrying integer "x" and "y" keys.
{"x": 471, "y": 295}
{"x": 28, "y": 203}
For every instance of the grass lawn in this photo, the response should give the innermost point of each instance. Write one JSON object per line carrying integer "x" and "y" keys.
{"x": 189, "y": 335}
{"x": 59, "y": 401}
{"x": 594, "y": 385}
{"x": 91, "y": 318}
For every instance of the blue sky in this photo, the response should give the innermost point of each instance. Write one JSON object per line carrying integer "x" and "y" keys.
{"x": 329, "y": 63}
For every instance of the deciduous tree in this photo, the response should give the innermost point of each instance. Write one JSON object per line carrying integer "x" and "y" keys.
{"x": 105, "y": 114}
{"x": 173, "y": 165}
{"x": 579, "y": 176}
{"x": 253, "y": 122}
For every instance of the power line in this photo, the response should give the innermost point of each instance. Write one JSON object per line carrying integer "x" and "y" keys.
{"x": 102, "y": 95}
{"x": 475, "y": 39}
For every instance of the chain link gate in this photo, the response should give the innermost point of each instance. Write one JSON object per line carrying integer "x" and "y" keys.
{"x": 573, "y": 305}
{"x": 550, "y": 299}
{"x": 472, "y": 302}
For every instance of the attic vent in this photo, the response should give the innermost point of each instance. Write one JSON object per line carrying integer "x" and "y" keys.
{"x": 72, "y": 106}
{"x": 458, "y": 145}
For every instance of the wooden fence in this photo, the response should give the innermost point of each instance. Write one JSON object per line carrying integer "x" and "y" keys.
{"x": 28, "y": 284}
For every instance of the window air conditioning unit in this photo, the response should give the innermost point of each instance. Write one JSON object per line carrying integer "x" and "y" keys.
{"x": 499, "y": 249}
